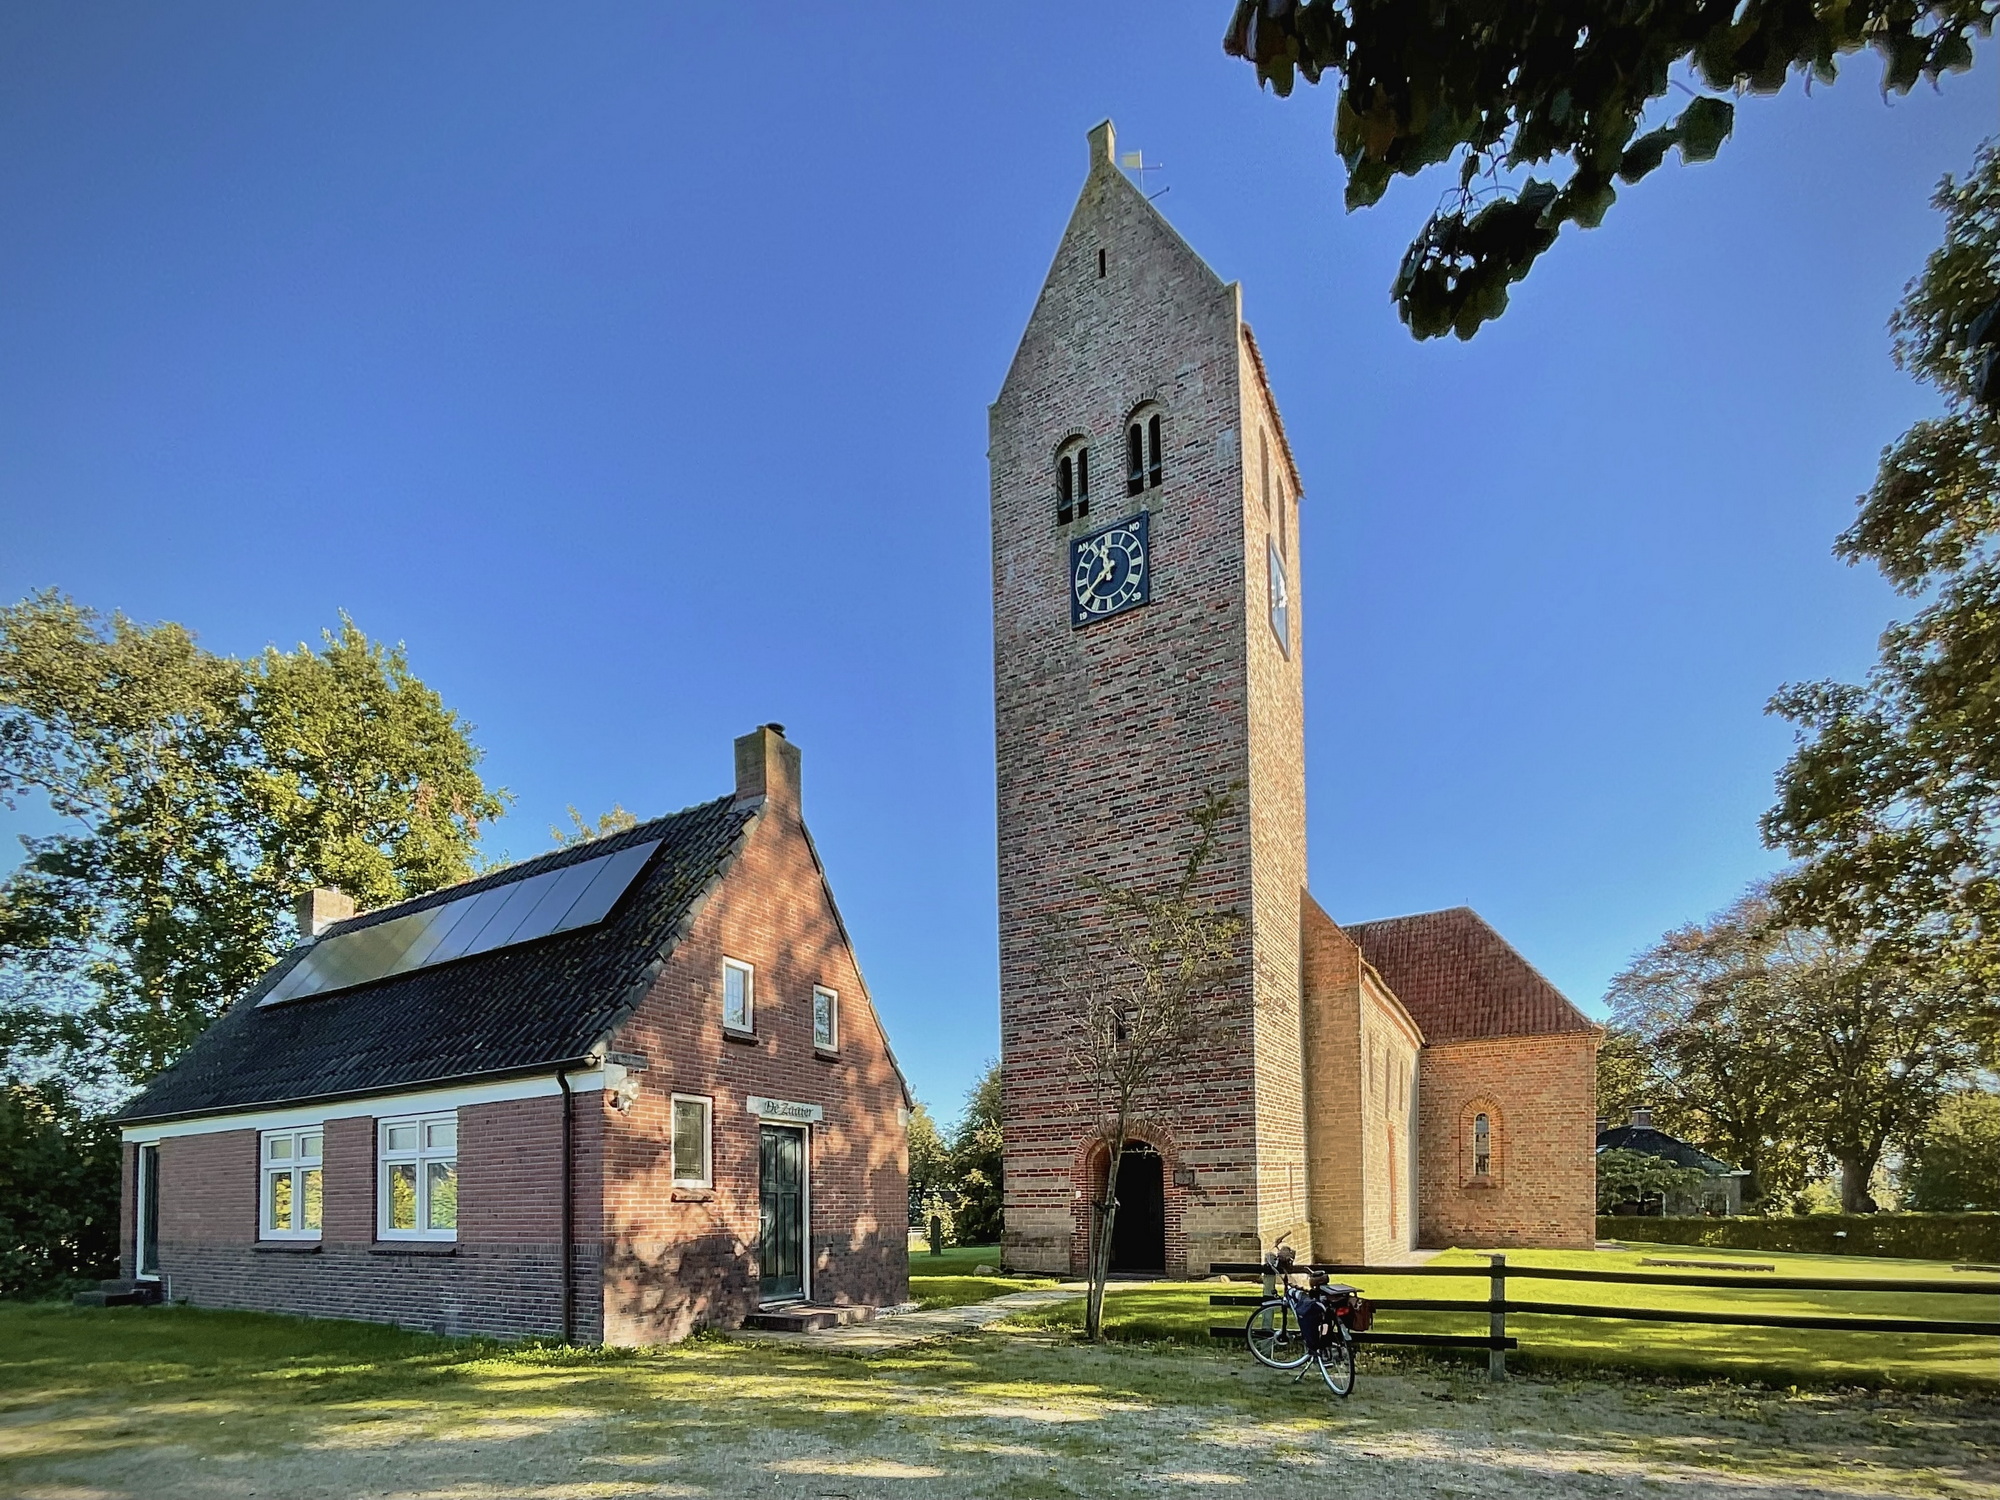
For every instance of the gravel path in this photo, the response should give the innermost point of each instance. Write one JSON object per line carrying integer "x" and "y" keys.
{"x": 901, "y": 1330}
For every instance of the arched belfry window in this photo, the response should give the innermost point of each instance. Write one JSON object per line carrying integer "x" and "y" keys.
{"x": 1482, "y": 1146}
{"x": 1144, "y": 464}
{"x": 1073, "y": 483}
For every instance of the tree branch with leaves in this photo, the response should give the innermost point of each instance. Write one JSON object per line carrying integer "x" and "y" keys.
{"x": 1504, "y": 87}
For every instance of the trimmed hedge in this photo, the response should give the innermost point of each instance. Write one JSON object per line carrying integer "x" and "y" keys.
{"x": 1953, "y": 1237}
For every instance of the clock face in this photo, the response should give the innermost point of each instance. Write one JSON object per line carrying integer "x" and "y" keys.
{"x": 1109, "y": 572}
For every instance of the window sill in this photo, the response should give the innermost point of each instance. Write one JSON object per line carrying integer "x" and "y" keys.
{"x": 287, "y": 1247}
{"x": 827, "y": 1054}
{"x": 693, "y": 1195}
{"x": 741, "y": 1038}
{"x": 414, "y": 1247}
{"x": 1480, "y": 1184}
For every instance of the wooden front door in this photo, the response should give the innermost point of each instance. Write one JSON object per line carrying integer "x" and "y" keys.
{"x": 782, "y": 1237}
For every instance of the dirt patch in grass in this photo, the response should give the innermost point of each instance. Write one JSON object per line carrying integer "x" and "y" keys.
{"x": 180, "y": 1405}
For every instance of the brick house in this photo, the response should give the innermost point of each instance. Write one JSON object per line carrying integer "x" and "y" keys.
{"x": 650, "y": 1057}
{"x": 1358, "y": 1090}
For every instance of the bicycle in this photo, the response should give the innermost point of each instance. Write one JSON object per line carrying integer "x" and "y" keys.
{"x": 1313, "y": 1325}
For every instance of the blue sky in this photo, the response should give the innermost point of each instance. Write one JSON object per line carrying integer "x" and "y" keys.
{"x": 630, "y": 364}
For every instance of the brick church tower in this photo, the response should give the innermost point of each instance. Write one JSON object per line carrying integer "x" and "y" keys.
{"x": 1146, "y": 637}
{"x": 1355, "y": 1089}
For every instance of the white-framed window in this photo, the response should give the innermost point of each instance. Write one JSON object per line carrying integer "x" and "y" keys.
{"x": 826, "y": 1019}
{"x": 417, "y": 1198}
{"x": 739, "y": 996}
{"x": 291, "y": 1195}
{"x": 694, "y": 1140}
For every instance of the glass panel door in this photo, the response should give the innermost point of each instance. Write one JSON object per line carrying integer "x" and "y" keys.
{"x": 782, "y": 1227}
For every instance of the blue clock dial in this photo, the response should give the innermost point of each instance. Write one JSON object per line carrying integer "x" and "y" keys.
{"x": 1109, "y": 572}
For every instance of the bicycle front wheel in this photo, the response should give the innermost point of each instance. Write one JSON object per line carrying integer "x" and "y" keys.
{"x": 1274, "y": 1336}
{"x": 1336, "y": 1363}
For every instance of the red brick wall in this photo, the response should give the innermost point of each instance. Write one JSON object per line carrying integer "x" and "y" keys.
{"x": 1541, "y": 1093}
{"x": 500, "y": 1276}
{"x": 676, "y": 1258}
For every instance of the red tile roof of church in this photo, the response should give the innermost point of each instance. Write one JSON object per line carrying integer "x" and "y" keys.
{"x": 1460, "y": 980}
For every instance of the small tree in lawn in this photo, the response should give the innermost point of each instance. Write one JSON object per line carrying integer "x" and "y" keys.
{"x": 1138, "y": 985}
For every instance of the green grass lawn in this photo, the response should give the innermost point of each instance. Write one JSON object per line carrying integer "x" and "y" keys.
{"x": 1180, "y": 1312}
{"x": 175, "y": 1403}
{"x": 947, "y": 1280}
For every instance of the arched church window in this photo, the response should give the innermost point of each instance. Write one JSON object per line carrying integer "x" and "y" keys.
{"x": 1144, "y": 466}
{"x": 1264, "y": 458}
{"x": 1072, "y": 485}
{"x": 1482, "y": 1146}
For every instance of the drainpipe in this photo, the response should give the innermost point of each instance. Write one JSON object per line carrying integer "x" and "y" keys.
{"x": 568, "y": 1193}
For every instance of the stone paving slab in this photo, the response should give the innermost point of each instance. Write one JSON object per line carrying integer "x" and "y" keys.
{"x": 900, "y": 1330}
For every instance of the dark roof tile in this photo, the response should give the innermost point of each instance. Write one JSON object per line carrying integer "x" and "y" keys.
{"x": 509, "y": 1010}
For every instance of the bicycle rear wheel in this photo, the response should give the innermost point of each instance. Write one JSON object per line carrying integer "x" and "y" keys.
{"x": 1274, "y": 1336}
{"x": 1336, "y": 1364}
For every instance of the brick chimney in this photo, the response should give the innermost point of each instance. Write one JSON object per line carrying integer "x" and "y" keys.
{"x": 1642, "y": 1119}
{"x": 319, "y": 908}
{"x": 767, "y": 765}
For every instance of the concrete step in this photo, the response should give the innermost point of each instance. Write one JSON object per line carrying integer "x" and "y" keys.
{"x": 805, "y": 1317}
{"x": 120, "y": 1294}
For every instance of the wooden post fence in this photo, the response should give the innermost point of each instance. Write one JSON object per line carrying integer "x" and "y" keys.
{"x": 1496, "y": 1352}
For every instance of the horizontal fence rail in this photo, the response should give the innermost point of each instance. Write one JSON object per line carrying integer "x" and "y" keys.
{"x": 1497, "y": 1305}
{"x": 1640, "y": 1278}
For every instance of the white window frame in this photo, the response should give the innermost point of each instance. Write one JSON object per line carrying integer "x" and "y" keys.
{"x": 674, "y": 1102}
{"x": 295, "y": 1164}
{"x": 749, "y": 973}
{"x": 832, "y": 997}
{"x": 422, "y": 1156}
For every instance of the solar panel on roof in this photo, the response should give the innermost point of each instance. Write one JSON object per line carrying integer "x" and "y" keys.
{"x": 519, "y": 911}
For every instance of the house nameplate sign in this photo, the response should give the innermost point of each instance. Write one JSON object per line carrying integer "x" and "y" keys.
{"x": 785, "y": 1109}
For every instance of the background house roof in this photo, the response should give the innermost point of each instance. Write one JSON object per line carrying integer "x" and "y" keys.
{"x": 1460, "y": 980}
{"x": 510, "y": 1010}
{"x": 1668, "y": 1147}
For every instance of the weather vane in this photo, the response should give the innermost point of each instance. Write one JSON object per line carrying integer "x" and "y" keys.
{"x": 1135, "y": 163}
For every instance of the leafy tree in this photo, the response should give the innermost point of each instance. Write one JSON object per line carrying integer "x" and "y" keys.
{"x": 1504, "y": 88}
{"x": 1955, "y": 1163}
{"x": 1626, "y": 1081}
{"x": 582, "y": 831}
{"x": 930, "y": 1171}
{"x": 199, "y": 794}
{"x": 1877, "y": 1043}
{"x": 1891, "y": 802}
{"x": 1706, "y": 1014}
{"x": 975, "y": 1164}
{"x": 1135, "y": 982}
{"x": 1634, "y": 1176}
{"x": 58, "y": 1190}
